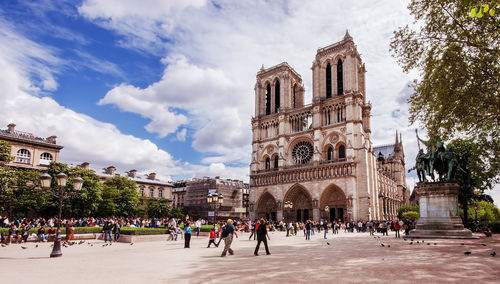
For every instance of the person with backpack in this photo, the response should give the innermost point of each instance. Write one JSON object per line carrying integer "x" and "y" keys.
{"x": 227, "y": 235}
{"x": 261, "y": 237}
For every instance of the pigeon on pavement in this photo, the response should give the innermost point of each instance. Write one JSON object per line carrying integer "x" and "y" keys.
{"x": 467, "y": 253}
{"x": 493, "y": 253}
{"x": 24, "y": 247}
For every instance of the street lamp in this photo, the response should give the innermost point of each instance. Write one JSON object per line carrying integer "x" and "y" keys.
{"x": 62, "y": 178}
{"x": 215, "y": 199}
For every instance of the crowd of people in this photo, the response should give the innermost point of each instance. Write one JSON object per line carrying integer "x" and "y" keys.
{"x": 19, "y": 229}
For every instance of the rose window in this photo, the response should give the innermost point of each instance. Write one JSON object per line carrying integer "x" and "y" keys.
{"x": 302, "y": 152}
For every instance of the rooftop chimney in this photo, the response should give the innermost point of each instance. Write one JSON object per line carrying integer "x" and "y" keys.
{"x": 85, "y": 165}
{"x": 52, "y": 139}
{"x": 11, "y": 127}
{"x": 110, "y": 170}
{"x": 132, "y": 173}
{"x": 152, "y": 176}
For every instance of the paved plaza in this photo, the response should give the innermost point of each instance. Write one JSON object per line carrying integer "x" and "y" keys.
{"x": 343, "y": 258}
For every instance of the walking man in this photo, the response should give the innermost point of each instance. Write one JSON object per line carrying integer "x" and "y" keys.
{"x": 261, "y": 237}
{"x": 198, "y": 227}
{"x": 227, "y": 234}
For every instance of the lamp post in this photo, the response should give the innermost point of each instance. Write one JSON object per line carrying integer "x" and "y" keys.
{"x": 216, "y": 200}
{"x": 62, "y": 178}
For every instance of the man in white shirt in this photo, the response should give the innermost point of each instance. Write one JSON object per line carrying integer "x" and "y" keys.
{"x": 198, "y": 227}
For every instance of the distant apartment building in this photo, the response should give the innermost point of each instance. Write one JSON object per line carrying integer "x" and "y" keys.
{"x": 193, "y": 195}
{"x": 147, "y": 184}
{"x": 29, "y": 151}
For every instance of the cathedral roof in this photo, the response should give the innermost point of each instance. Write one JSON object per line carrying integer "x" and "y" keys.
{"x": 387, "y": 151}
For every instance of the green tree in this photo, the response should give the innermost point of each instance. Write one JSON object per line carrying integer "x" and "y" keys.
{"x": 7, "y": 184}
{"x": 108, "y": 206}
{"x": 123, "y": 192}
{"x": 458, "y": 58}
{"x": 406, "y": 208}
{"x": 77, "y": 204}
{"x": 474, "y": 175}
{"x": 411, "y": 215}
{"x": 157, "y": 208}
{"x": 5, "y": 152}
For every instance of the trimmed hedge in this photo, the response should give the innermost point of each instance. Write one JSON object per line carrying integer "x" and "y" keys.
{"x": 123, "y": 231}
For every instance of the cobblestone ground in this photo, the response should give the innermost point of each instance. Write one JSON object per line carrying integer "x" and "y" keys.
{"x": 342, "y": 258}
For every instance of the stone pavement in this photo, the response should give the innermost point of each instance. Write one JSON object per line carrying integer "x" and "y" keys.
{"x": 348, "y": 258}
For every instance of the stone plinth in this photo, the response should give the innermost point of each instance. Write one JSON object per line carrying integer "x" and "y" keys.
{"x": 439, "y": 212}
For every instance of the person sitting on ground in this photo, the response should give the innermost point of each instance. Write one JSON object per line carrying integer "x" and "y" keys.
{"x": 14, "y": 234}
{"x": 41, "y": 234}
{"x": 51, "y": 233}
{"x": 25, "y": 233}
{"x": 487, "y": 232}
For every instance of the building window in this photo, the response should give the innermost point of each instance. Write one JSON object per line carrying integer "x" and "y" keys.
{"x": 268, "y": 163}
{"x": 277, "y": 96}
{"x": 330, "y": 154}
{"x": 276, "y": 161}
{"x": 340, "y": 81}
{"x": 45, "y": 158}
{"x": 294, "y": 86}
{"x": 151, "y": 193}
{"x": 268, "y": 99}
{"x": 160, "y": 193}
{"x": 328, "y": 81}
{"x": 23, "y": 156}
{"x": 141, "y": 191}
{"x": 342, "y": 152}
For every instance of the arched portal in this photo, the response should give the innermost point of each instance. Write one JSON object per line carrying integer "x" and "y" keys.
{"x": 267, "y": 207}
{"x": 335, "y": 199}
{"x": 301, "y": 204}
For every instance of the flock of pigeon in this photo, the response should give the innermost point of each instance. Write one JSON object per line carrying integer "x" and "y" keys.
{"x": 493, "y": 253}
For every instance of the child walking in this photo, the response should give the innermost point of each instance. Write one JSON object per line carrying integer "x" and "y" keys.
{"x": 212, "y": 238}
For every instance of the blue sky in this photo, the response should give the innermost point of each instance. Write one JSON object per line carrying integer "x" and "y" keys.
{"x": 167, "y": 86}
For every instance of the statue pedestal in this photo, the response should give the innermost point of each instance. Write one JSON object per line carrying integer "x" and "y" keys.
{"x": 439, "y": 212}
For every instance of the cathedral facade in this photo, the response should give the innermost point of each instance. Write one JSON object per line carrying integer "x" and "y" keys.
{"x": 316, "y": 161}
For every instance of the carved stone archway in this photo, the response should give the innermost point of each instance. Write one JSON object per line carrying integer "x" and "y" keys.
{"x": 335, "y": 199}
{"x": 302, "y": 205}
{"x": 266, "y": 207}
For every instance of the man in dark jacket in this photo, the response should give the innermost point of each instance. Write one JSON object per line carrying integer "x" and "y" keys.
{"x": 107, "y": 230}
{"x": 261, "y": 237}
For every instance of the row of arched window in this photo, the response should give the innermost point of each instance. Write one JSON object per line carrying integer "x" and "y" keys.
{"x": 331, "y": 155}
{"x": 340, "y": 79}
{"x": 23, "y": 156}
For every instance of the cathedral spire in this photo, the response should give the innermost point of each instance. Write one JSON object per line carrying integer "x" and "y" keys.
{"x": 347, "y": 35}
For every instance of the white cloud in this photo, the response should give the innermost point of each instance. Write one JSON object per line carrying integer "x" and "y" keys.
{"x": 181, "y": 134}
{"x": 22, "y": 101}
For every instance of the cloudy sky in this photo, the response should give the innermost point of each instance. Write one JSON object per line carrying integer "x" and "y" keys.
{"x": 167, "y": 86}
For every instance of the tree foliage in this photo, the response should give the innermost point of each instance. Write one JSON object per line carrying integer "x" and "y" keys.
{"x": 458, "y": 59}
{"x": 474, "y": 175}
{"x": 5, "y": 150}
{"x": 406, "y": 208}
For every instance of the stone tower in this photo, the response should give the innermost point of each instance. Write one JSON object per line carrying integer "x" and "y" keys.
{"x": 316, "y": 159}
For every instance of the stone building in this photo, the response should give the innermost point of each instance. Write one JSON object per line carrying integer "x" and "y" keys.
{"x": 318, "y": 157}
{"x": 29, "y": 151}
{"x": 147, "y": 185}
{"x": 193, "y": 195}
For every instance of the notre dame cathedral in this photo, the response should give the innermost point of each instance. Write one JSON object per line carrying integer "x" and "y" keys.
{"x": 317, "y": 161}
